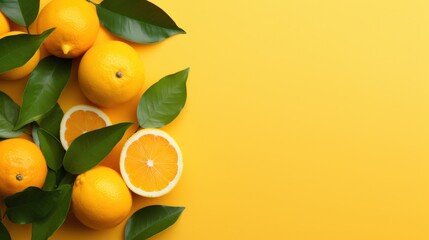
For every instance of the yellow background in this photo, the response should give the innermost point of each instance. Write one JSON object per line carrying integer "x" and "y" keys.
{"x": 305, "y": 120}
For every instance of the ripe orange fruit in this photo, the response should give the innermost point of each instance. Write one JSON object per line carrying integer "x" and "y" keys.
{"x": 4, "y": 24}
{"x": 111, "y": 73}
{"x": 79, "y": 120}
{"x": 76, "y": 24}
{"x": 22, "y": 165}
{"x": 24, "y": 70}
{"x": 151, "y": 163}
{"x": 100, "y": 198}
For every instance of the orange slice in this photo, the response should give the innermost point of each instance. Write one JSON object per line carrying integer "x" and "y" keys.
{"x": 79, "y": 120}
{"x": 151, "y": 163}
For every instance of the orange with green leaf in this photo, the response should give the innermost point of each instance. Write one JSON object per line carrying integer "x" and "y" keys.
{"x": 42, "y": 181}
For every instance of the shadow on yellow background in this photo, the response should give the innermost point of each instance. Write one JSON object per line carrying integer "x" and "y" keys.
{"x": 305, "y": 120}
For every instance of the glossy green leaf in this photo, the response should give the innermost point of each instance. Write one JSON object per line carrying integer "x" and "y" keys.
{"x": 50, "y": 181}
{"x": 9, "y": 111}
{"x": 51, "y": 121}
{"x": 89, "y": 149}
{"x": 151, "y": 220}
{"x": 137, "y": 20}
{"x": 30, "y": 205}
{"x": 44, "y": 228}
{"x": 63, "y": 177}
{"x": 163, "y": 101}
{"x": 43, "y": 89}
{"x": 4, "y": 234}
{"x": 16, "y": 50}
{"x": 61, "y": 174}
{"x": 22, "y": 12}
{"x": 51, "y": 148}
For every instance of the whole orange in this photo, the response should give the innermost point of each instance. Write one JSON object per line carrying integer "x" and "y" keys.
{"x": 111, "y": 73}
{"x": 22, "y": 165}
{"x": 100, "y": 198}
{"x": 76, "y": 27}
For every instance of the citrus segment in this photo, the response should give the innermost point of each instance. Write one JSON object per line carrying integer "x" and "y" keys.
{"x": 79, "y": 120}
{"x": 100, "y": 198}
{"x": 151, "y": 163}
{"x": 22, "y": 165}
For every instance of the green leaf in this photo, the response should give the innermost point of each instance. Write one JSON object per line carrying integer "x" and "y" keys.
{"x": 16, "y": 50}
{"x": 50, "y": 181}
{"x": 63, "y": 177}
{"x": 87, "y": 150}
{"x": 44, "y": 228}
{"x": 52, "y": 149}
{"x": 51, "y": 121}
{"x": 22, "y": 12}
{"x": 9, "y": 111}
{"x": 67, "y": 178}
{"x": 151, "y": 220}
{"x": 137, "y": 20}
{"x": 4, "y": 234}
{"x": 163, "y": 101}
{"x": 43, "y": 89}
{"x": 30, "y": 205}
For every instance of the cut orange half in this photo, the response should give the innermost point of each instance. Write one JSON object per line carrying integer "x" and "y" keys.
{"x": 79, "y": 120}
{"x": 151, "y": 163}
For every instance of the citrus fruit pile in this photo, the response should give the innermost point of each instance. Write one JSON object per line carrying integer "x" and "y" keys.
{"x": 49, "y": 159}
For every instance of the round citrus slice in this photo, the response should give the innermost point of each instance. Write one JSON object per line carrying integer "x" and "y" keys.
{"x": 151, "y": 163}
{"x": 79, "y": 120}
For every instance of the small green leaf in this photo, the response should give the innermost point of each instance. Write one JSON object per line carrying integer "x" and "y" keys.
{"x": 163, "y": 101}
{"x": 52, "y": 149}
{"x": 151, "y": 220}
{"x": 16, "y": 50}
{"x": 9, "y": 111}
{"x": 43, "y": 89}
{"x": 4, "y": 234}
{"x": 89, "y": 149}
{"x": 22, "y": 12}
{"x": 50, "y": 181}
{"x": 30, "y": 205}
{"x": 51, "y": 121}
{"x": 44, "y": 228}
{"x": 137, "y": 20}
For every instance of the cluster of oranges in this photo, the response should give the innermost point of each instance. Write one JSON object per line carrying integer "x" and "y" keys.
{"x": 109, "y": 74}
